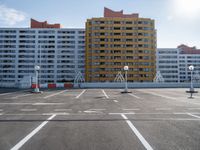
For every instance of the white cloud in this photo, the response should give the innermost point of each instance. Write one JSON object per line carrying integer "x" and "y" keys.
{"x": 170, "y": 18}
{"x": 10, "y": 16}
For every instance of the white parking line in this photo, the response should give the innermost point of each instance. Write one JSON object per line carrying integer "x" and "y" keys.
{"x": 18, "y": 96}
{"x": 131, "y": 109}
{"x": 12, "y": 92}
{"x": 116, "y": 101}
{"x": 16, "y": 103}
{"x": 25, "y": 139}
{"x": 167, "y": 97}
{"x": 8, "y": 93}
{"x": 80, "y": 94}
{"x": 32, "y": 103}
{"x": 60, "y": 113}
{"x": 137, "y": 133}
{"x": 130, "y": 113}
{"x": 24, "y": 114}
{"x": 98, "y": 109}
{"x": 62, "y": 109}
{"x": 34, "y": 114}
{"x": 193, "y": 115}
{"x": 28, "y": 109}
{"x": 48, "y": 104}
{"x": 55, "y": 94}
{"x": 134, "y": 96}
{"x": 105, "y": 94}
{"x": 163, "y": 109}
{"x": 179, "y": 113}
{"x": 92, "y": 111}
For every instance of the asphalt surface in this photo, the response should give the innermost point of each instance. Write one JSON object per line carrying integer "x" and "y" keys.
{"x": 99, "y": 119}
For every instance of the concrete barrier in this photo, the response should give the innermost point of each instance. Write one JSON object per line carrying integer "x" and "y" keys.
{"x": 68, "y": 85}
{"x": 51, "y": 85}
{"x": 138, "y": 85}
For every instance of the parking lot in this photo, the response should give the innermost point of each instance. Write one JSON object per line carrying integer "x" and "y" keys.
{"x": 99, "y": 119}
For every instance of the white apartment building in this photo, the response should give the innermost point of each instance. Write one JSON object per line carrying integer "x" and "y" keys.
{"x": 167, "y": 62}
{"x": 173, "y": 63}
{"x": 58, "y": 51}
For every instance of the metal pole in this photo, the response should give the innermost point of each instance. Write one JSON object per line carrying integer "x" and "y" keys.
{"x": 39, "y": 77}
{"x": 36, "y": 81}
{"x": 126, "y": 86}
{"x": 37, "y": 68}
{"x": 36, "y": 78}
{"x": 191, "y": 88}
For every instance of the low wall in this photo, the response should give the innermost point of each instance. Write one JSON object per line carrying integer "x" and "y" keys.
{"x": 107, "y": 85}
{"x": 138, "y": 85}
{"x": 8, "y": 85}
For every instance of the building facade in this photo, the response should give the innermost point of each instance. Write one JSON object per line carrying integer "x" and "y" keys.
{"x": 173, "y": 63}
{"x": 60, "y": 52}
{"x": 168, "y": 64}
{"x": 116, "y": 40}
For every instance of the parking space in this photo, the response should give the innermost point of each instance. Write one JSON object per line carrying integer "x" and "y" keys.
{"x": 100, "y": 119}
{"x": 169, "y": 131}
{"x": 15, "y": 127}
{"x": 85, "y": 132}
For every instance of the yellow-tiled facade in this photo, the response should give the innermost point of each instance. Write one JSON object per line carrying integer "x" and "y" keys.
{"x": 112, "y": 43}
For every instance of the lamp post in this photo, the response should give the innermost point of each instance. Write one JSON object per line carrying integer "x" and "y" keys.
{"x": 126, "y": 83}
{"x": 191, "y": 68}
{"x": 191, "y": 91}
{"x": 126, "y": 86}
{"x": 36, "y": 90}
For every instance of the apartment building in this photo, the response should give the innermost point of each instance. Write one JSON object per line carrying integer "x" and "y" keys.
{"x": 173, "y": 63}
{"x": 168, "y": 63}
{"x": 60, "y": 52}
{"x": 116, "y": 40}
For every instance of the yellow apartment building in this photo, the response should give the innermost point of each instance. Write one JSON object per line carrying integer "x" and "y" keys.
{"x": 117, "y": 40}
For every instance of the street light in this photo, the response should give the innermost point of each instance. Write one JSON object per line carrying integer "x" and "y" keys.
{"x": 36, "y": 90}
{"x": 126, "y": 84}
{"x": 191, "y": 68}
{"x": 191, "y": 91}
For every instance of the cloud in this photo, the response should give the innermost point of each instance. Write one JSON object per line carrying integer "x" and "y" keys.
{"x": 170, "y": 18}
{"x": 10, "y": 16}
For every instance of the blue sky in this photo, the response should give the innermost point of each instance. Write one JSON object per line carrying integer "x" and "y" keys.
{"x": 177, "y": 21}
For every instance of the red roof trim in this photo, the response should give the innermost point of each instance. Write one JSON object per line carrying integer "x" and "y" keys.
{"x": 188, "y": 50}
{"x": 108, "y": 13}
{"x": 37, "y": 24}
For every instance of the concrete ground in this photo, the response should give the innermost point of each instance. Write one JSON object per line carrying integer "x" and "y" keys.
{"x": 99, "y": 119}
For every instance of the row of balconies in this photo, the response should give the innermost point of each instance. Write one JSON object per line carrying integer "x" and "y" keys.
{"x": 121, "y": 28}
{"x": 120, "y": 48}
{"x": 108, "y": 59}
{"x": 120, "y": 34}
{"x": 122, "y": 55}
{"x": 107, "y": 23}
{"x": 123, "y": 41}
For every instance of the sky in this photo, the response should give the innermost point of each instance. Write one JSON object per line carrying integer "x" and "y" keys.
{"x": 176, "y": 21}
